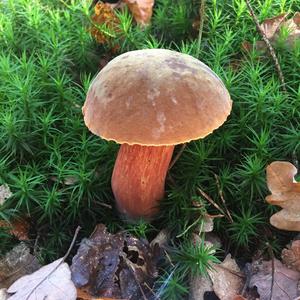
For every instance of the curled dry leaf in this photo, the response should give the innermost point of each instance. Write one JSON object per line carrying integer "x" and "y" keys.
{"x": 52, "y": 281}
{"x": 285, "y": 193}
{"x": 114, "y": 265}
{"x": 5, "y": 193}
{"x": 141, "y": 10}
{"x": 291, "y": 256}
{"x": 285, "y": 281}
{"x": 15, "y": 264}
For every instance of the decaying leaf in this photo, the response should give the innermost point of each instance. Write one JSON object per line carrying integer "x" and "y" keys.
{"x": 114, "y": 265}
{"x": 52, "y": 281}
{"x": 15, "y": 264}
{"x": 227, "y": 279}
{"x": 272, "y": 28}
{"x": 285, "y": 193}
{"x": 291, "y": 256}
{"x": 141, "y": 10}
{"x": 285, "y": 281}
{"x": 17, "y": 227}
{"x": 5, "y": 193}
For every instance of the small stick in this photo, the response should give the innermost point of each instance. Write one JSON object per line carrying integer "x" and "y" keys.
{"x": 177, "y": 157}
{"x": 201, "y": 16}
{"x": 222, "y": 198}
{"x": 211, "y": 201}
{"x": 269, "y": 46}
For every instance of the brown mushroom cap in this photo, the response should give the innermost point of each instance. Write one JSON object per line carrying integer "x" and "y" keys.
{"x": 155, "y": 97}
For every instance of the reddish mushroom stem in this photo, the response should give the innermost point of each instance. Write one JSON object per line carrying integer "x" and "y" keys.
{"x": 138, "y": 180}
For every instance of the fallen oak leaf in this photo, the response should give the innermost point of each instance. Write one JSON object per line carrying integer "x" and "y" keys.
{"x": 52, "y": 281}
{"x": 285, "y": 193}
{"x": 285, "y": 281}
{"x": 141, "y": 10}
{"x": 291, "y": 256}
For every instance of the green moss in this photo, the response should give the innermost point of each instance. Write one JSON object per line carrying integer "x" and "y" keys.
{"x": 59, "y": 172}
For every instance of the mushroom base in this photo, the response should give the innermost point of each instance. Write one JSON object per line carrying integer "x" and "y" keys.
{"x": 138, "y": 179}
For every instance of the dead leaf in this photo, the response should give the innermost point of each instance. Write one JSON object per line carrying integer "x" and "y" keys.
{"x": 285, "y": 281}
{"x": 291, "y": 256}
{"x": 114, "y": 265}
{"x": 285, "y": 193}
{"x": 271, "y": 26}
{"x": 52, "y": 281}
{"x": 17, "y": 227}
{"x": 141, "y": 10}
{"x": 227, "y": 279}
{"x": 5, "y": 193}
{"x": 15, "y": 264}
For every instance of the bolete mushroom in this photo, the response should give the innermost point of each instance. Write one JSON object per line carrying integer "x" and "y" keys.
{"x": 149, "y": 101}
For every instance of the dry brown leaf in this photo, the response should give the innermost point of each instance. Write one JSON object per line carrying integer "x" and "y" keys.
{"x": 141, "y": 10}
{"x": 5, "y": 193}
{"x": 52, "y": 281}
{"x": 291, "y": 256}
{"x": 15, "y": 264}
{"x": 18, "y": 227}
{"x": 285, "y": 281}
{"x": 285, "y": 193}
{"x": 270, "y": 26}
{"x": 226, "y": 278}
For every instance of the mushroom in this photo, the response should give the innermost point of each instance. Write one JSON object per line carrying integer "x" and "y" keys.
{"x": 149, "y": 101}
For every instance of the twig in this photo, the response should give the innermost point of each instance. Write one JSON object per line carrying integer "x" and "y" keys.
{"x": 72, "y": 243}
{"x": 211, "y": 201}
{"x": 61, "y": 262}
{"x": 222, "y": 198}
{"x": 201, "y": 16}
{"x": 269, "y": 46}
{"x": 176, "y": 157}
